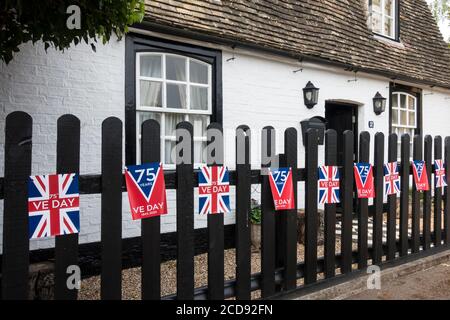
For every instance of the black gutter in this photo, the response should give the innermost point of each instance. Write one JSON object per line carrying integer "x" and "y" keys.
{"x": 223, "y": 40}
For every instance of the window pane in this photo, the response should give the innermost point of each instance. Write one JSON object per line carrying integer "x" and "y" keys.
{"x": 144, "y": 115}
{"x": 388, "y": 27}
{"x": 175, "y": 68}
{"x": 199, "y": 123}
{"x": 169, "y": 151}
{"x": 199, "y": 151}
{"x": 376, "y": 22}
{"x": 403, "y": 101}
{"x": 412, "y": 118}
{"x": 395, "y": 101}
{"x": 411, "y": 103}
{"x": 150, "y": 66}
{"x": 176, "y": 96}
{"x": 198, "y": 72}
{"x": 376, "y": 5}
{"x": 171, "y": 121}
{"x": 150, "y": 94}
{"x": 388, "y": 7}
{"x": 199, "y": 98}
{"x": 403, "y": 118}
{"x": 394, "y": 116}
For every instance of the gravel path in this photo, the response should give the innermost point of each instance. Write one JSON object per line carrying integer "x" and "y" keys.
{"x": 131, "y": 278}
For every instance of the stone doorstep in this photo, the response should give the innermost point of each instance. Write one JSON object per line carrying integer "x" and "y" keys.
{"x": 355, "y": 286}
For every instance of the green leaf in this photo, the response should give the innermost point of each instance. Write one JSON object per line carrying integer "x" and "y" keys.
{"x": 45, "y": 20}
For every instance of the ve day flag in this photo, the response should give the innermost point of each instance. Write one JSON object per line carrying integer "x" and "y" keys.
{"x": 391, "y": 178}
{"x": 364, "y": 180}
{"x": 282, "y": 188}
{"x": 53, "y": 205}
{"x": 213, "y": 190}
{"x": 146, "y": 190}
{"x": 420, "y": 175}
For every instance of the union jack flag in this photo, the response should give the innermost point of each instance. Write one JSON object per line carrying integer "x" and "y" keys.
{"x": 440, "y": 180}
{"x": 391, "y": 178}
{"x": 53, "y": 205}
{"x": 214, "y": 190}
{"x": 328, "y": 184}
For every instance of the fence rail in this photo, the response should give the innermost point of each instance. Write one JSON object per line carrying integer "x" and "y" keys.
{"x": 280, "y": 268}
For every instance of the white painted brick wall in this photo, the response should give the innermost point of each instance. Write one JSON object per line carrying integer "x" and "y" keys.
{"x": 47, "y": 85}
{"x": 257, "y": 90}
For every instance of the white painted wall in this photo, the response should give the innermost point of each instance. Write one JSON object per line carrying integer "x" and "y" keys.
{"x": 258, "y": 90}
{"x": 47, "y": 85}
{"x": 436, "y": 114}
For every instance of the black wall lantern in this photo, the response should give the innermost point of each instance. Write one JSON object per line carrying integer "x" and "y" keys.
{"x": 310, "y": 95}
{"x": 379, "y": 104}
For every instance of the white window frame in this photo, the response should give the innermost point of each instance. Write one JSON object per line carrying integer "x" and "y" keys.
{"x": 164, "y": 109}
{"x": 392, "y": 16}
{"x": 398, "y": 125}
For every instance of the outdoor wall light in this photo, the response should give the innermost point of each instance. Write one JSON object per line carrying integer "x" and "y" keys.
{"x": 310, "y": 95}
{"x": 379, "y": 104}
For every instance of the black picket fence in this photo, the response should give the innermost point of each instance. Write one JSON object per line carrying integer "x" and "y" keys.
{"x": 280, "y": 269}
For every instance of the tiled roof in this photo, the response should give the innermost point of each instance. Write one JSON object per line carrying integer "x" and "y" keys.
{"x": 332, "y": 30}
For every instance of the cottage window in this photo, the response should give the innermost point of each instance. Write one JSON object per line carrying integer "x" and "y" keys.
{"x": 383, "y": 17}
{"x": 172, "y": 88}
{"x": 404, "y": 115}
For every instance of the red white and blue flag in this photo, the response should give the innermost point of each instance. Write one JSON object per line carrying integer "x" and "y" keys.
{"x": 364, "y": 180}
{"x": 53, "y": 205}
{"x": 420, "y": 175}
{"x": 146, "y": 190}
{"x": 328, "y": 184}
{"x": 391, "y": 178}
{"x": 440, "y": 179}
{"x": 213, "y": 190}
{"x": 282, "y": 188}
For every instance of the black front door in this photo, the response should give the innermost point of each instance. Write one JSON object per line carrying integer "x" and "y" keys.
{"x": 341, "y": 117}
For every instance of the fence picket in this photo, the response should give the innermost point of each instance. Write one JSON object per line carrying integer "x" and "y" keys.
{"x": 111, "y": 210}
{"x": 447, "y": 192}
{"x": 243, "y": 196}
{"x": 404, "y": 186}
{"x": 330, "y": 209}
{"x": 347, "y": 203}
{"x": 215, "y": 221}
{"x": 185, "y": 212}
{"x": 363, "y": 205}
{"x": 290, "y": 216}
{"x": 392, "y": 204}
{"x": 417, "y": 155}
{"x": 437, "y": 196}
{"x": 311, "y": 214}
{"x": 67, "y": 161}
{"x": 15, "y": 258}
{"x": 268, "y": 240}
{"x": 377, "y": 243}
{"x": 427, "y": 194}
{"x": 151, "y": 227}
{"x": 279, "y": 230}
